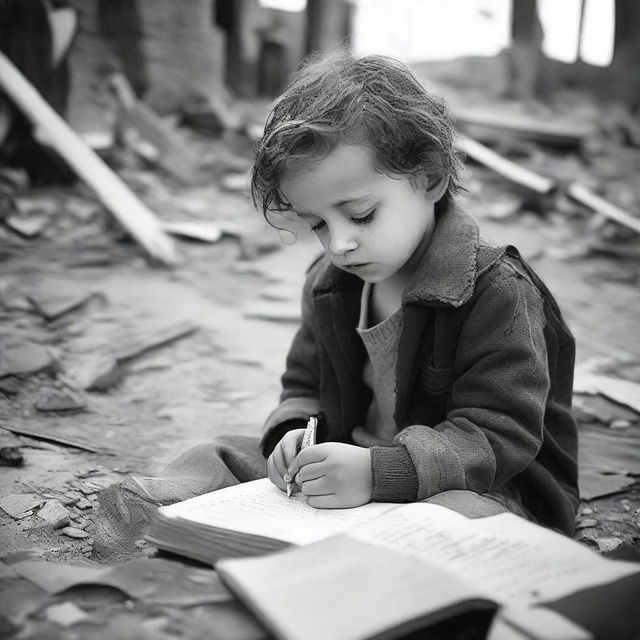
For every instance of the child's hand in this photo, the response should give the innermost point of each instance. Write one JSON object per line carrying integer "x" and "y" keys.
{"x": 334, "y": 475}
{"x": 283, "y": 456}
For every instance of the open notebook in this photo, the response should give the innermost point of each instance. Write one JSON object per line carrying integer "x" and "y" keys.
{"x": 383, "y": 569}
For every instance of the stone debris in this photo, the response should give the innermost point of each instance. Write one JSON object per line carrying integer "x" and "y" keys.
{"x": 135, "y": 345}
{"x": 10, "y": 385}
{"x": 17, "y": 504}
{"x": 11, "y": 457}
{"x": 96, "y": 372}
{"x": 625, "y": 392}
{"x": 54, "y": 514}
{"x": 24, "y": 358}
{"x": 59, "y": 400}
{"x": 29, "y": 225}
{"x": 53, "y": 300}
{"x": 65, "y": 614}
{"x": 607, "y": 544}
{"x": 74, "y": 532}
{"x": 83, "y": 504}
{"x": 73, "y": 496}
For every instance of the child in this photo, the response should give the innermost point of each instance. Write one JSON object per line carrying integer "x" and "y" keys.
{"x": 440, "y": 366}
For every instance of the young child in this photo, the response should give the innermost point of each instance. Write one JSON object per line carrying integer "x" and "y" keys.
{"x": 440, "y": 366}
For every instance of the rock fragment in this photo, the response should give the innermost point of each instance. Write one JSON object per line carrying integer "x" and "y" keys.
{"x": 74, "y": 532}
{"x": 16, "y": 504}
{"x": 54, "y": 514}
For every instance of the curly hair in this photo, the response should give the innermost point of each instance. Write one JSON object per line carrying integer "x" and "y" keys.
{"x": 374, "y": 100}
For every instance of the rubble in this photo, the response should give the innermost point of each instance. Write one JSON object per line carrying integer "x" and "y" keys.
{"x": 23, "y": 358}
{"x": 54, "y": 514}
{"x": 59, "y": 400}
{"x": 16, "y": 505}
{"x": 74, "y": 532}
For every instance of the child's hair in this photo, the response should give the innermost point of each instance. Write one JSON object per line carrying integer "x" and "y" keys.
{"x": 374, "y": 100}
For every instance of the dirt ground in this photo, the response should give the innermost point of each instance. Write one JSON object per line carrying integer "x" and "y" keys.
{"x": 236, "y": 301}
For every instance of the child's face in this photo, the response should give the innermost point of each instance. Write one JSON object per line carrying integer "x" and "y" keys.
{"x": 370, "y": 224}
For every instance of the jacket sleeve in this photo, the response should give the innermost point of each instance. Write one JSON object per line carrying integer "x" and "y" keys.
{"x": 494, "y": 424}
{"x": 300, "y": 382}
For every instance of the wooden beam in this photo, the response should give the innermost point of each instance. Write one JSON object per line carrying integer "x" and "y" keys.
{"x": 586, "y": 197}
{"x": 51, "y": 129}
{"x": 510, "y": 170}
{"x": 488, "y": 124}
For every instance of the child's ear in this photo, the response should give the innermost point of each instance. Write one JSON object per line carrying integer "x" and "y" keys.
{"x": 437, "y": 187}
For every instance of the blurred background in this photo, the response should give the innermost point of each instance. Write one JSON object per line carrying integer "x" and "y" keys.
{"x": 145, "y": 306}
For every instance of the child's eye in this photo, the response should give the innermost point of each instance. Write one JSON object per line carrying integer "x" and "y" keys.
{"x": 366, "y": 218}
{"x": 318, "y": 226}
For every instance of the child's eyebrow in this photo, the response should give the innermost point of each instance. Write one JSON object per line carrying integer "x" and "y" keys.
{"x": 341, "y": 203}
{"x": 354, "y": 200}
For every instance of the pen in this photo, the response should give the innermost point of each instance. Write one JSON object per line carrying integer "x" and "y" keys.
{"x": 308, "y": 439}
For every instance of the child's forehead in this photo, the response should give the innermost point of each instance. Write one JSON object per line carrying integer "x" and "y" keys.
{"x": 345, "y": 173}
{"x": 342, "y": 163}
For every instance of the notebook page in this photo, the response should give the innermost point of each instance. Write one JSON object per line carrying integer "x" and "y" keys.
{"x": 260, "y": 508}
{"x": 507, "y": 557}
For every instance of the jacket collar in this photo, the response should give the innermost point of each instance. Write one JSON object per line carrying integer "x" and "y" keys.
{"x": 446, "y": 275}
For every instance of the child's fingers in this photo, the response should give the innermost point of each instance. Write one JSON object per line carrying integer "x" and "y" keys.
{"x": 310, "y": 471}
{"x": 274, "y": 474}
{"x": 327, "y": 501}
{"x": 316, "y": 453}
{"x": 317, "y": 487}
{"x": 279, "y": 461}
{"x": 289, "y": 452}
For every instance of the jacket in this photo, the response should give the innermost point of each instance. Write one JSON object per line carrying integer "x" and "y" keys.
{"x": 483, "y": 382}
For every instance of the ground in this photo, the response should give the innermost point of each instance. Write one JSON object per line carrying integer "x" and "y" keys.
{"x": 236, "y": 304}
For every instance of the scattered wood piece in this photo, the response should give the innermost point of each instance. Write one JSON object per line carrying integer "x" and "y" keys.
{"x": 274, "y": 312}
{"x": 623, "y": 392}
{"x": 24, "y": 358}
{"x": 510, "y": 170}
{"x": 203, "y": 231}
{"x": 51, "y": 129}
{"x": 137, "y": 345}
{"x": 171, "y": 151}
{"x": 486, "y": 124}
{"x": 51, "y": 436}
{"x": 54, "y": 301}
{"x": 588, "y": 198}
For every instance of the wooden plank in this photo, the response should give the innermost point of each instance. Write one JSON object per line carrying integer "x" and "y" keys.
{"x": 489, "y": 124}
{"x": 586, "y": 197}
{"x": 510, "y": 170}
{"x": 173, "y": 154}
{"x": 51, "y": 129}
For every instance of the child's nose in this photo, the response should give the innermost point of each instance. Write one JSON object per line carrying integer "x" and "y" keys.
{"x": 341, "y": 244}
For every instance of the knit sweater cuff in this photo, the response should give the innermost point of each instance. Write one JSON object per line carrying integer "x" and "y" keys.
{"x": 394, "y": 476}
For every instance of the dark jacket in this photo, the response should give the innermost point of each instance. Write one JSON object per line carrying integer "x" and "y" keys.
{"x": 483, "y": 382}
